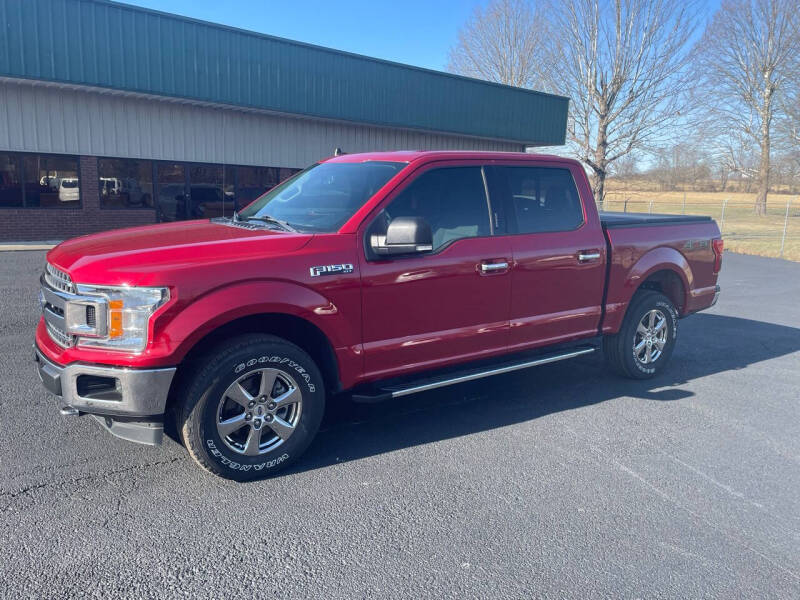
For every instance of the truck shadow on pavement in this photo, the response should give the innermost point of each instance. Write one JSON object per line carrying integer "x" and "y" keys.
{"x": 708, "y": 345}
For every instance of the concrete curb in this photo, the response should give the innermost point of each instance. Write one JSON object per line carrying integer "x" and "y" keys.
{"x": 17, "y": 246}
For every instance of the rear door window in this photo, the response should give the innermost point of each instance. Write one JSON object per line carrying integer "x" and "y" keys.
{"x": 538, "y": 199}
{"x": 451, "y": 199}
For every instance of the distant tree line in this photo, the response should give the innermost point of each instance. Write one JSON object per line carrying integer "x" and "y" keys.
{"x": 658, "y": 89}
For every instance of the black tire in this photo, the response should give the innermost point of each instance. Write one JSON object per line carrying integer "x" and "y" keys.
{"x": 243, "y": 361}
{"x": 620, "y": 349}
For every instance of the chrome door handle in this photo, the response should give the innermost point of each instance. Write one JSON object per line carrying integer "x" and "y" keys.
{"x": 583, "y": 257}
{"x": 489, "y": 267}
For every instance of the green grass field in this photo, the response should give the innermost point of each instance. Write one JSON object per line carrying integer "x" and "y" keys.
{"x": 742, "y": 230}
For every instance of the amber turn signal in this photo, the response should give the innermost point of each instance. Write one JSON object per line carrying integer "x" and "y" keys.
{"x": 115, "y": 318}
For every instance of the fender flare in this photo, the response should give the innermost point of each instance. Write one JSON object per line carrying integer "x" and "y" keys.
{"x": 204, "y": 315}
{"x": 658, "y": 259}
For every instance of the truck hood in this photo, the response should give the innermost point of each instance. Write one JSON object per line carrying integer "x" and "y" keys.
{"x": 154, "y": 254}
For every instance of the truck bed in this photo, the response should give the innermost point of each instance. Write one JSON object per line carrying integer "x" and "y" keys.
{"x": 613, "y": 220}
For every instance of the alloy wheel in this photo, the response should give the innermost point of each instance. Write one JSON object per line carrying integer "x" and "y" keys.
{"x": 651, "y": 337}
{"x": 259, "y": 411}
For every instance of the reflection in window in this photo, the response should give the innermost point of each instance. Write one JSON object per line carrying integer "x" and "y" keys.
{"x": 51, "y": 181}
{"x": 452, "y": 201}
{"x": 207, "y": 194}
{"x": 10, "y": 180}
{"x": 171, "y": 192}
{"x": 543, "y": 199}
{"x": 285, "y": 173}
{"x": 229, "y": 185}
{"x": 125, "y": 183}
{"x": 254, "y": 181}
{"x": 322, "y": 197}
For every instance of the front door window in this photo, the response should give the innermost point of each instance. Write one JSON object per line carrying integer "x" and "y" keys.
{"x": 451, "y": 200}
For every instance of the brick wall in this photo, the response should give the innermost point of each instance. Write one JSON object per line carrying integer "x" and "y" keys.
{"x": 33, "y": 224}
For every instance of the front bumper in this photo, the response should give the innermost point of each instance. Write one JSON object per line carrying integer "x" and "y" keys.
{"x": 106, "y": 390}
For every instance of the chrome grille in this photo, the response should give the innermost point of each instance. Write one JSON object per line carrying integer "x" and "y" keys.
{"x": 59, "y": 337}
{"x": 58, "y": 280}
{"x": 56, "y": 283}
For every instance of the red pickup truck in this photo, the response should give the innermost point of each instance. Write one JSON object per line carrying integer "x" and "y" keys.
{"x": 380, "y": 275}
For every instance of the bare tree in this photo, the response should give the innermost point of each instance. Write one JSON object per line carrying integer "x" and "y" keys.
{"x": 790, "y": 129}
{"x": 789, "y": 125}
{"x": 684, "y": 165}
{"x": 745, "y": 58}
{"x": 501, "y": 43}
{"x": 626, "y": 167}
{"x": 736, "y": 151}
{"x": 622, "y": 64}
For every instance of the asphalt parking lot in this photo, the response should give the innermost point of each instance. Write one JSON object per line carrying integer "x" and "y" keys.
{"x": 561, "y": 481}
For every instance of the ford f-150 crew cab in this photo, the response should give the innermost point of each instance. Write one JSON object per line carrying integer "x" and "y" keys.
{"x": 379, "y": 275}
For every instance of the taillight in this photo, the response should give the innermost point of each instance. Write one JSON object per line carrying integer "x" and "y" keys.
{"x": 718, "y": 246}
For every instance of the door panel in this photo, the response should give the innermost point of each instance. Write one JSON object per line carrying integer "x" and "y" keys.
{"x": 428, "y": 310}
{"x": 555, "y": 298}
{"x": 425, "y": 311}
{"x": 559, "y": 258}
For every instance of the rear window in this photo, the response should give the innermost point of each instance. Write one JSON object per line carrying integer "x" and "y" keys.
{"x": 538, "y": 199}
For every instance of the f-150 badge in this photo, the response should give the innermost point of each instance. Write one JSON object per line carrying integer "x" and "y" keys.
{"x": 331, "y": 269}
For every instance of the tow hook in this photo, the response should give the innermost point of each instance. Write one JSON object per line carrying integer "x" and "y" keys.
{"x": 68, "y": 411}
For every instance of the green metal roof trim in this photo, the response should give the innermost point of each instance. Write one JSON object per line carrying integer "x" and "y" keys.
{"x": 112, "y": 45}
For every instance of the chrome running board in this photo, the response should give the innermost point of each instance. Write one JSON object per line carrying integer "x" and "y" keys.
{"x": 432, "y": 383}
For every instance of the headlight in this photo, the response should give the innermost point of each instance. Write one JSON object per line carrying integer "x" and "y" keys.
{"x": 115, "y": 318}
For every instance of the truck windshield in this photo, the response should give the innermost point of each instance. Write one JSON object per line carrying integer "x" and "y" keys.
{"x": 324, "y": 196}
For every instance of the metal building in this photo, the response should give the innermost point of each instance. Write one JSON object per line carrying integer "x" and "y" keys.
{"x": 113, "y": 115}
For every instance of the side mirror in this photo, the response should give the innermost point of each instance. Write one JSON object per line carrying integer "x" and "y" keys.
{"x": 404, "y": 235}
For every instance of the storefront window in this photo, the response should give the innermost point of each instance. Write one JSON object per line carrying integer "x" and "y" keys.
{"x": 254, "y": 181}
{"x": 10, "y": 180}
{"x": 207, "y": 194}
{"x": 229, "y": 185}
{"x": 179, "y": 191}
{"x": 51, "y": 181}
{"x": 285, "y": 173}
{"x": 171, "y": 191}
{"x": 125, "y": 183}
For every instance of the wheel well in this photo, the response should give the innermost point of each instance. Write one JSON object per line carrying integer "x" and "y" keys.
{"x": 668, "y": 283}
{"x": 293, "y": 329}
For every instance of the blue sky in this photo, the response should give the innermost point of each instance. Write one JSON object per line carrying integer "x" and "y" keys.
{"x": 417, "y": 32}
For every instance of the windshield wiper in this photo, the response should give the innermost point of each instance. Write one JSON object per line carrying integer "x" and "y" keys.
{"x": 267, "y": 219}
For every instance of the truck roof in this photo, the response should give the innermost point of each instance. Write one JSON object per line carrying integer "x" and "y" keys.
{"x": 409, "y": 156}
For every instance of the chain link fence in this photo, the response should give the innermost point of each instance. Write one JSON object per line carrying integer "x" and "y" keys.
{"x": 776, "y": 234}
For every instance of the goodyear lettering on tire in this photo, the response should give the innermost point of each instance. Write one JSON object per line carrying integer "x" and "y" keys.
{"x": 279, "y": 360}
{"x": 232, "y": 464}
